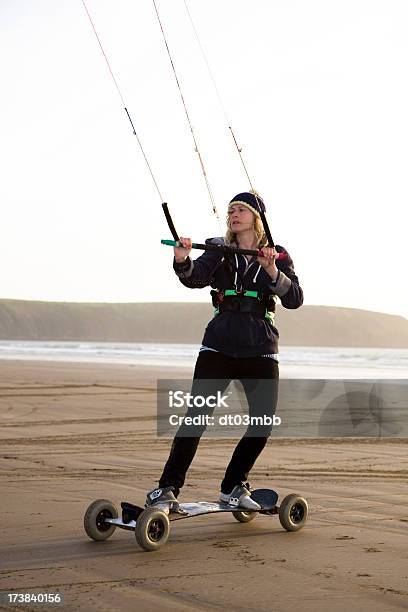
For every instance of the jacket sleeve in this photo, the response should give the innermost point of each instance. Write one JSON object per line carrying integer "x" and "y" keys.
{"x": 286, "y": 286}
{"x": 199, "y": 272}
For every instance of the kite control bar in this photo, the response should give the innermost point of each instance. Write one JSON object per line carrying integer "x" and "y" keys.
{"x": 222, "y": 248}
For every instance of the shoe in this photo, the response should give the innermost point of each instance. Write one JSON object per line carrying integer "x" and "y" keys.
{"x": 160, "y": 497}
{"x": 240, "y": 496}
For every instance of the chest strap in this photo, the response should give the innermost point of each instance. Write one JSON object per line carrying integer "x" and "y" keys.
{"x": 242, "y": 301}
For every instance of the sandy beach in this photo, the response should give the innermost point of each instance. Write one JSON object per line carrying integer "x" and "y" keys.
{"x": 75, "y": 432}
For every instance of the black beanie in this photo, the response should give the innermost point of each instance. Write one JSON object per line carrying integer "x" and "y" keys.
{"x": 252, "y": 201}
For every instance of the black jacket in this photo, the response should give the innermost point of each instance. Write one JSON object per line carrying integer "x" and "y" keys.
{"x": 241, "y": 334}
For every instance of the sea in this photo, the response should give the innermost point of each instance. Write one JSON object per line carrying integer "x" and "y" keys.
{"x": 295, "y": 361}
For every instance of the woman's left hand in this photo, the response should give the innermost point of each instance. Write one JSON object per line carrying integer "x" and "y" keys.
{"x": 268, "y": 261}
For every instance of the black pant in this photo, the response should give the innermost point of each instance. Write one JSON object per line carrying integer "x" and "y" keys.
{"x": 210, "y": 368}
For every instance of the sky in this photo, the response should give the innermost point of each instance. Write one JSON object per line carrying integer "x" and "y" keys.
{"x": 315, "y": 90}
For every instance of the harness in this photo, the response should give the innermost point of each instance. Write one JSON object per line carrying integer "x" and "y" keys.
{"x": 252, "y": 302}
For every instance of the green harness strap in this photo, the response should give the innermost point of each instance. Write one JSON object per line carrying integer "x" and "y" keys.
{"x": 232, "y": 292}
{"x": 269, "y": 315}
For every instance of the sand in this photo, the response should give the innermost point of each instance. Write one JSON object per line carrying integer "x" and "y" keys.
{"x": 72, "y": 433}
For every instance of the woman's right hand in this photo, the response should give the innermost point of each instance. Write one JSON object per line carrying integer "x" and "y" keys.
{"x": 181, "y": 253}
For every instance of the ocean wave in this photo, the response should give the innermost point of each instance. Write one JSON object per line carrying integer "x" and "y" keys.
{"x": 187, "y": 353}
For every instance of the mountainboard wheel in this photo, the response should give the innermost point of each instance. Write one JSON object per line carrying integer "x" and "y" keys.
{"x": 293, "y": 512}
{"x": 94, "y": 520}
{"x": 152, "y": 529}
{"x": 244, "y": 517}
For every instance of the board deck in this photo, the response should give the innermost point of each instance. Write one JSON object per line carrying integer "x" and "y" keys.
{"x": 266, "y": 498}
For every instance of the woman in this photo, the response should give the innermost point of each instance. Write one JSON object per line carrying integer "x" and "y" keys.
{"x": 240, "y": 342}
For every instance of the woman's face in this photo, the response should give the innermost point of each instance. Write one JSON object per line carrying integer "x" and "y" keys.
{"x": 240, "y": 218}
